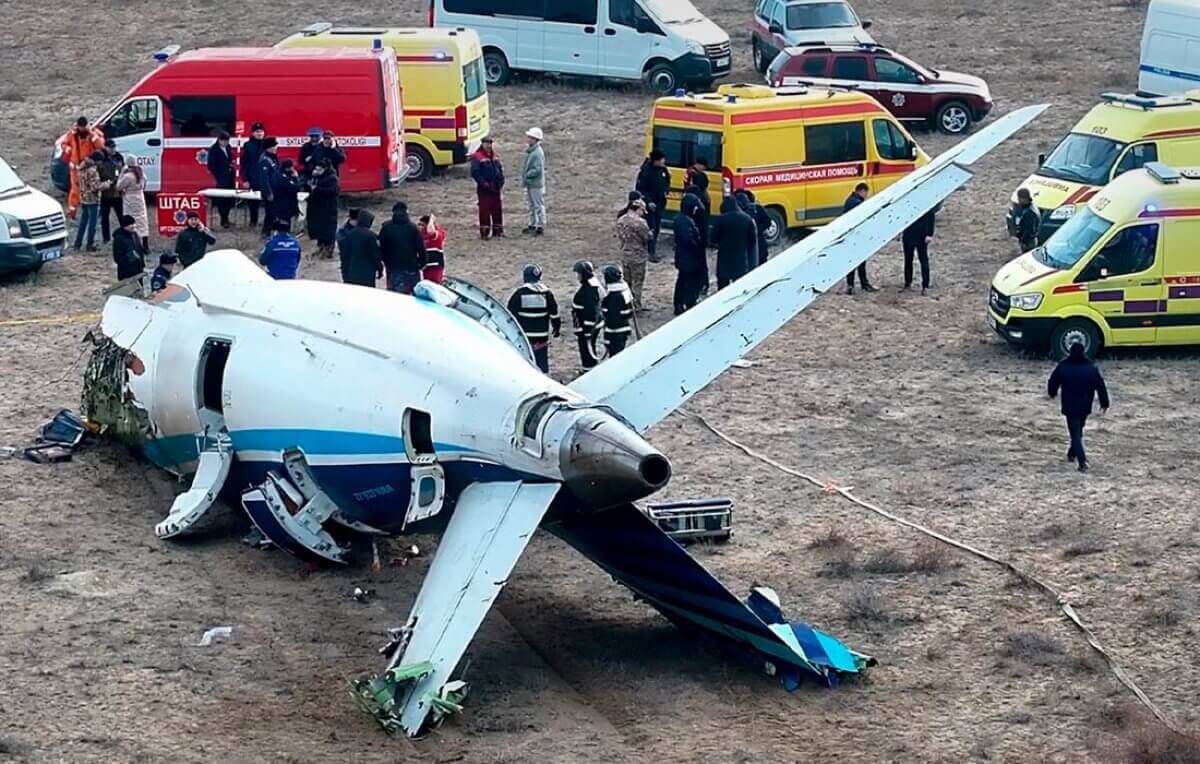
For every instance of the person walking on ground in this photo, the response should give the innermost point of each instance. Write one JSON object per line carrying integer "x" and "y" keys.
{"x": 90, "y": 188}
{"x": 536, "y": 311}
{"x": 617, "y": 309}
{"x": 192, "y": 243}
{"x": 653, "y": 183}
{"x": 362, "y": 263}
{"x": 488, "y": 174}
{"x": 691, "y": 260}
{"x": 585, "y": 312}
{"x": 128, "y": 252}
{"x": 285, "y": 195}
{"x": 861, "y": 192}
{"x": 1024, "y": 221}
{"x": 634, "y": 237}
{"x": 434, "y": 237}
{"x": 132, "y": 188}
{"x": 916, "y": 242}
{"x": 110, "y": 199}
{"x": 735, "y": 237}
{"x": 264, "y": 175}
{"x": 251, "y": 152}
{"x": 1081, "y": 383}
{"x": 533, "y": 178}
{"x": 79, "y": 143}
{"x": 403, "y": 250}
{"x": 221, "y": 167}
{"x": 321, "y": 220}
{"x": 281, "y": 254}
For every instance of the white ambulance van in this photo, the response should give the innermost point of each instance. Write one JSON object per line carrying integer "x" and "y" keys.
{"x": 1170, "y": 48}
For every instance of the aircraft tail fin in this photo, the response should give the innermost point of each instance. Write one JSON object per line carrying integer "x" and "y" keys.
{"x": 631, "y": 548}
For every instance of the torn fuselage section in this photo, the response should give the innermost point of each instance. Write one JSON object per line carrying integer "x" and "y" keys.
{"x": 106, "y": 400}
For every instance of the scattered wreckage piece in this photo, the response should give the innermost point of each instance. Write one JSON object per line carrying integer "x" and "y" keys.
{"x": 280, "y": 511}
{"x": 189, "y": 507}
{"x": 376, "y": 695}
{"x": 694, "y": 520}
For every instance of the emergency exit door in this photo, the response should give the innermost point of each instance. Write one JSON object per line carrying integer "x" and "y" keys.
{"x": 428, "y": 479}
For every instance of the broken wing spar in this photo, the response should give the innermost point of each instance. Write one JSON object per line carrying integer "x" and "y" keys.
{"x": 658, "y": 374}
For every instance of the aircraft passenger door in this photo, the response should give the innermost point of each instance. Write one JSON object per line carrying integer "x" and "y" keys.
{"x": 571, "y": 37}
{"x": 137, "y": 127}
{"x": 1125, "y": 284}
{"x": 623, "y": 49}
{"x": 428, "y": 493}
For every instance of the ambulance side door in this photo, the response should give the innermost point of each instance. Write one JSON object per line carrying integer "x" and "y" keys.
{"x": 1125, "y": 283}
{"x": 1181, "y": 272}
{"x": 137, "y": 127}
{"x": 835, "y": 161}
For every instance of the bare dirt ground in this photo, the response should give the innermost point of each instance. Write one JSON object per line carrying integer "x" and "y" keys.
{"x": 908, "y": 399}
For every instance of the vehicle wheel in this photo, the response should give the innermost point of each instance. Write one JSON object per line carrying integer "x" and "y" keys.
{"x": 1073, "y": 330}
{"x": 761, "y": 64}
{"x": 661, "y": 79}
{"x": 953, "y": 118}
{"x": 495, "y": 68}
{"x": 777, "y": 232}
{"x": 420, "y": 163}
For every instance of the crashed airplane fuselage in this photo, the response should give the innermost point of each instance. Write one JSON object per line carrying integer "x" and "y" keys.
{"x": 331, "y": 404}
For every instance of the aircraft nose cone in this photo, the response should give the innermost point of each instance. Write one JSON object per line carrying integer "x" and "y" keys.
{"x": 604, "y": 462}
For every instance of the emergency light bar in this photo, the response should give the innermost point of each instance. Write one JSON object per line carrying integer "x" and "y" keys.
{"x": 1162, "y": 173}
{"x": 165, "y": 54}
{"x": 1140, "y": 101}
{"x": 312, "y": 30}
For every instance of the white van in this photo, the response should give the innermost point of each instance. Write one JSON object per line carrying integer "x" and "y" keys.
{"x": 1170, "y": 48}
{"x": 33, "y": 229}
{"x": 666, "y": 43}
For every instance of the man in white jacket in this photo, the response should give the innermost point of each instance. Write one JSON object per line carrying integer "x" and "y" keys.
{"x": 533, "y": 178}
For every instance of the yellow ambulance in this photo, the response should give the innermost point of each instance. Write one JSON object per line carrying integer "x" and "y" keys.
{"x": 444, "y": 88}
{"x": 1120, "y": 134}
{"x": 800, "y": 150}
{"x": 1124, "y": 270}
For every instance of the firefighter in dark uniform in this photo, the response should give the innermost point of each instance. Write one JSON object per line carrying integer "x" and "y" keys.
{"x": 585, "y": 312}
{"x": 617, "y": 309}
{"x": 536, "y": 311}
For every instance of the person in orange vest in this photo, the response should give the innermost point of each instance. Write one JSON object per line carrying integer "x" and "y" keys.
{"x": 77, "y": 145}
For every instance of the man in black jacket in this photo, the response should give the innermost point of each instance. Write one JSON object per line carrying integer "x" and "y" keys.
{"x": 359, "y": 250}
{"x": 916, "y": 241}
{"x": 192, "y": 242}
{"x": 536, "y": 311}
{"x": 617, "y": 309}
{"x": 220, "y": 166}
{"x": 264, "y": 175}
{"x": 585, "y": 312}
{"x": 653, "y": 183}
{"x": 735, "y": 236}
{"x": 252, "y": 151}
{"x": 762, "y": 222}
{"x": 1081, "y": 384}
{"x": 691, "y": 261}
{"x": 403, "y": 250}
{"x": 1025, "y": 221}
{"x": 285, "y": 194}
{"x": 110, "y": 168}
{"x": 861, "y": 191}
{"x": 128, "y": 253}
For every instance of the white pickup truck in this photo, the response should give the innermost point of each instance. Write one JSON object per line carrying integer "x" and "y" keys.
{"x": 33, "y": 229}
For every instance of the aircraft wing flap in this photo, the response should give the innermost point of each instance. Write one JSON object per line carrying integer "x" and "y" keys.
{"x": 490, "y": 528}
{"x": 655, "y": 376}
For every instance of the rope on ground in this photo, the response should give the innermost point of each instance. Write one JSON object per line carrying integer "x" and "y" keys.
{"x": 79, "y": 318}
{"x": 1064, "y": 606}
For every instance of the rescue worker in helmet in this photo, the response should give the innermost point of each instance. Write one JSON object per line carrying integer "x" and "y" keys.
{"x": 617, "y": 308}
{"x": 585, "y": 312}
{"x": 536, "y": 311}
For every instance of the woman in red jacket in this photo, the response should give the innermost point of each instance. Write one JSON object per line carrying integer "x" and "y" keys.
{"x": 435, "y": 256}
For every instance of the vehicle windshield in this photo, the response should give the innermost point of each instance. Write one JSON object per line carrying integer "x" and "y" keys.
{"x": 820, "y": 16}
{"x": 1074, "y": 240}
{"x": 1082, "y": 159}
{"x": 673, "y": 11}
{"x": 8, "y": 178}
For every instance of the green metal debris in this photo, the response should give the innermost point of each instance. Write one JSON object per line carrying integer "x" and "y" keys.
{"x": 105, "y": 401}
{"x": 376, "y": 695}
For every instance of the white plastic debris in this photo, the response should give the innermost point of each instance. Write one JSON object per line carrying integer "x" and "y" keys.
{"x": 212, "y": 634}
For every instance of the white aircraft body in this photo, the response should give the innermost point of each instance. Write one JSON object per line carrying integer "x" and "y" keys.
{"x": 324, "y": 404}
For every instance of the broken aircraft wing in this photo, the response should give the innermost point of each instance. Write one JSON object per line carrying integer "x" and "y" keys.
{"x": 655, "y": 376}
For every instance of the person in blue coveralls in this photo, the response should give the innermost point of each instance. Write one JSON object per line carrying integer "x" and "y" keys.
{"x": 281, "y": 255}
